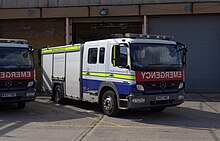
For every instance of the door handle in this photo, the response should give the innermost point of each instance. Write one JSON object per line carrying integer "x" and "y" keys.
{"x": 111, "y": 75}
{"x": 87, "y": 73}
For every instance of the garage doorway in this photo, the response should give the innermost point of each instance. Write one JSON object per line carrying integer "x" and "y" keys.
{"x": 97, "y": 29}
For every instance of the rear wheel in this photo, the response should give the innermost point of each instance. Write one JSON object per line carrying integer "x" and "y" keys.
{"x": 21, "y": 105}
{"x": 109, "y": 104}
{"x": 58, "y": 94}
{"x": 160, "y": 109}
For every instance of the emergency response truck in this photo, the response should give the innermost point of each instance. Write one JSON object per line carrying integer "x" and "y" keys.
{"x": 133, "y": 71}
{"x": 17, "y": 82}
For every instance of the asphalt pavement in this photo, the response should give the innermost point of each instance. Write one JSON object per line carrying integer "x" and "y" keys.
{"x": 198, "y": 119}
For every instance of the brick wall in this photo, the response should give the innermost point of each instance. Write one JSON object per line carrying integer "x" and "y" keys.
{"x": 38, "y": 32}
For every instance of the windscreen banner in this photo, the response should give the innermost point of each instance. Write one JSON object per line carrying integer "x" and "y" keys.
{"x": 152, "y": 76}
{"x": 17, "y": 75}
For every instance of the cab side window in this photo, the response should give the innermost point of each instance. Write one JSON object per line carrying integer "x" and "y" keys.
{"x": 92, "y": 56}
{"x": 101, "y": 55}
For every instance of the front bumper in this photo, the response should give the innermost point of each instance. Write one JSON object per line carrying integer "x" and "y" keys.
{"x": 149, "y": 101}
{"x": 18, "y": 96}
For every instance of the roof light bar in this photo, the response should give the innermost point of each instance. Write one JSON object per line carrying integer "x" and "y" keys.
{"x": 132, "y": 35}
{"x": 117, "y": 35}
{"x": 16, "y": 41}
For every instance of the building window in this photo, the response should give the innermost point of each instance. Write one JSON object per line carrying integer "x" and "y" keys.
{"x": 101, "y": 55}
{"x": 92, "y": 56}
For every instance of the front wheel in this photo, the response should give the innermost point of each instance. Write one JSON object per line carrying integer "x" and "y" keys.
{"x": 109, "y": 104}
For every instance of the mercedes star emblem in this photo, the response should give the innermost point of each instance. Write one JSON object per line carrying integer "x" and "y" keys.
{"x": 163, "y": 85}
{"x": 8, "y": 84}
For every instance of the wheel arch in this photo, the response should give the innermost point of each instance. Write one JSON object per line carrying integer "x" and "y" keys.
{"x": 55, "y": 83}
{"x": 105, "y": 86}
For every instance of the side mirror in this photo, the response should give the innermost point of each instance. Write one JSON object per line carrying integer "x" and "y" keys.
{"x": 183, "y": 49}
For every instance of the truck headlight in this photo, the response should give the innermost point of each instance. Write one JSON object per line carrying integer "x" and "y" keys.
{"x": 181, "y": 85}
{"x": 140, "y": 87}
{"x": 180, "y": 97}
{"x": 30, "y": 84}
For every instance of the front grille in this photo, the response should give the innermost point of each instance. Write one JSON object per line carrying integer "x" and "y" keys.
{"x": 156, "y": 87}
{"x": 16, "y": 85}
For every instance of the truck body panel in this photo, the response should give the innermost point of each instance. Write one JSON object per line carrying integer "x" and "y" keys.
{"x": 47, "y": 71}
{"x": 72, "y": 77}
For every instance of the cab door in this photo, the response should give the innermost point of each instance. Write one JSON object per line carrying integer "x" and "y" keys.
{"x": 90, "y": 69}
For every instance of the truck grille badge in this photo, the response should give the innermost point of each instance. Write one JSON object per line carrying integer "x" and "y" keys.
{"x": 8, "y": 84}
{"x": 163, "y": 85}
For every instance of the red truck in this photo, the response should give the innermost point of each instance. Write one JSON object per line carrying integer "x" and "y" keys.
{"x": 17, "y": 79}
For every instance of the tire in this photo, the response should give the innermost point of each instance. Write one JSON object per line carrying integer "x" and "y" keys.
{"x": 21, "y": 105}
{"x": 160, "y": 109}
{"x": 109, "y": 104}
{"x": 58, "y": 94}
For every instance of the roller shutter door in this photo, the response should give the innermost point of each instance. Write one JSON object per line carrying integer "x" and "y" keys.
{"x": 201, "y": 34}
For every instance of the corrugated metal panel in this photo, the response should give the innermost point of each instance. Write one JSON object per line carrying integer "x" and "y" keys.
{"x": 27, "y": 3}
{"x": 43, "y": 3}
{"x": 52, "y": 3}
{"x": 8, "y": 4}
{"x": 67, "y": 2}
{"x": 62, "y": 3}
{"x": 202, "y": 36}
{"x": 18, "y": 3}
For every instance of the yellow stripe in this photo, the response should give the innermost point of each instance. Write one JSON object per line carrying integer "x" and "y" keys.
{"x": 84, "y": 73}
{"x": 99, "y": 74}
{"x": 61, "y": 49}
{"x": 120, "y": 76}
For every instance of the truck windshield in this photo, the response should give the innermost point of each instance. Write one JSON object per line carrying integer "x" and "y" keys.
{"x": 145, "y": 56}
{"x": 15, "y": 58}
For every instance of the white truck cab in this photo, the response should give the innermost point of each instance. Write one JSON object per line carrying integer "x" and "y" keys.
{"x": 135, "y": 71}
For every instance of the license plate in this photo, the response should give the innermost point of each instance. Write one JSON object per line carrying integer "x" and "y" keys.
{"x": 9, "y": 95}
{"x": 162, "y": 98}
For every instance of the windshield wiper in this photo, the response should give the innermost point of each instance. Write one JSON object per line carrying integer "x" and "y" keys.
{"x": 174, "y": 65}
{"x": 26, "y": 66}
{"x": 141, "y": 67}
{"x": 156, "y": 66}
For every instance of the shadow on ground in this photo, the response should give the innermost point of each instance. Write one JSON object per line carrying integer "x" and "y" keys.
{"x": 175, "y": 116}
{"x": 12, "y": 118}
